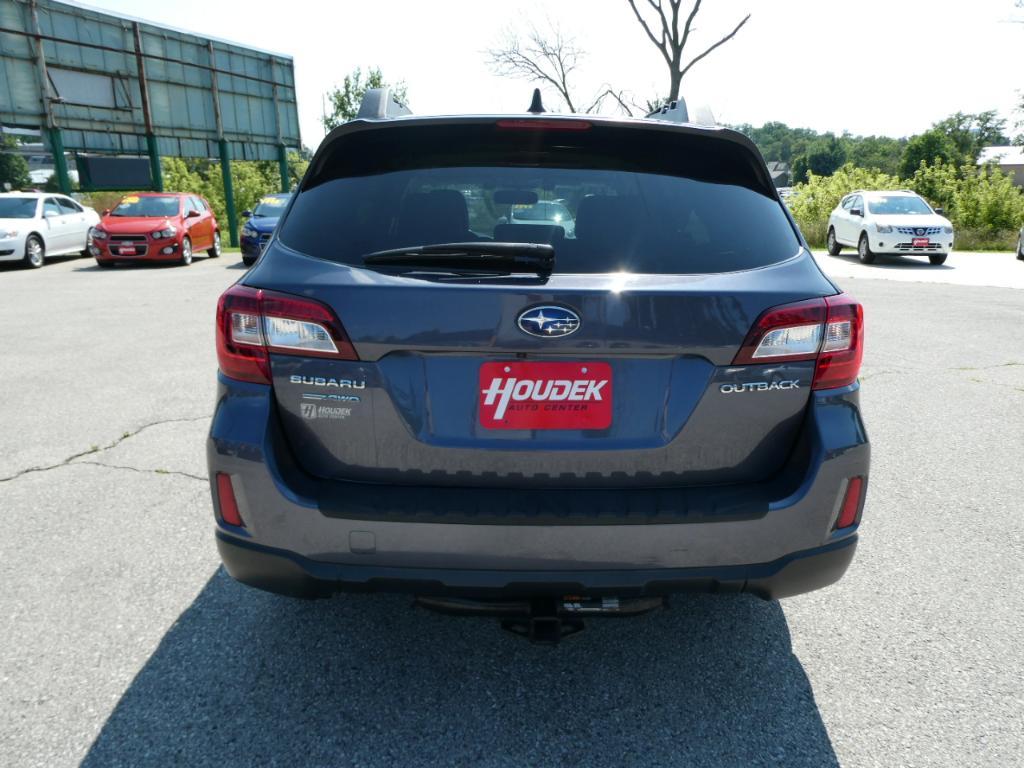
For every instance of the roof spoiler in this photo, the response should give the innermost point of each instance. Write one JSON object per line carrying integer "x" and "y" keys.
{"x": 677, "y": 112}
{"x": 380, "y": 104}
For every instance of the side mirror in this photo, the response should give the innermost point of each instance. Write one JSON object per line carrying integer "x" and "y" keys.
{"x": 247, "y": 214}
{"x": 192, "y": 214}
{"x": 857, "y": 212}
{"x": 940, "y": 211}
{"x": 50, "y": 214}
{"x": 106, "y": 212}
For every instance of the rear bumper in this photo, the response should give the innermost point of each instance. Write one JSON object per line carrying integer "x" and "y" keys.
{"x": 303, "y": 535}
{"x": 283, "y": 572}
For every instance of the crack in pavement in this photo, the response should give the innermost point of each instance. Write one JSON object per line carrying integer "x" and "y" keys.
{"x": 201, "y": 478}
{"x": 100, "y": 449}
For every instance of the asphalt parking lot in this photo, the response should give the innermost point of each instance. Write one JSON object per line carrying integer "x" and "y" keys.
{"x": 124, "y": 643}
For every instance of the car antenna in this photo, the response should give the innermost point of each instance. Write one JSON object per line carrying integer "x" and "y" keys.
{"x": 536, "y": 106}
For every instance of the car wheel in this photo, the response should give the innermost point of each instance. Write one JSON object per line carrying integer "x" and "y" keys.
{"x": 104, "y": 264}
{"x": 186, "y": 251}
{"x": 937, "y": 258}
{"x": 214, "y": 252}
{"x": 833, "y": 245}
{"x": 248, "y": 260}
{"x": 35, "y": 252}
{"x": 864, "y": 250}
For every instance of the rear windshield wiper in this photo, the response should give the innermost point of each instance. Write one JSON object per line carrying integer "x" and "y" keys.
{"x": 481, "y": 255}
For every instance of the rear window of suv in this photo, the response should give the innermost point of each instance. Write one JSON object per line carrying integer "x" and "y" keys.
{"x": 635, "y": 199}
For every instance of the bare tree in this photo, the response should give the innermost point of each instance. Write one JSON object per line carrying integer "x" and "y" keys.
{"x": 550, "y": 59}
{"x": 671, "y": 42}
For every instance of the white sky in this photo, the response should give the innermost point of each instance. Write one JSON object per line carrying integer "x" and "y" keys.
{"x": 866, "y": 66}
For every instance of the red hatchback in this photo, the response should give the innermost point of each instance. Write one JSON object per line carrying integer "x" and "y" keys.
{"x": 155, "y": 226}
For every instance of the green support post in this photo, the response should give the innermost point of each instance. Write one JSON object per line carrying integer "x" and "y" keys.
{"x": 229, "y": 191}
{"x": 282, "y": 163}
{"x": 60, "y": 163}
{"x": 155, "y": 171}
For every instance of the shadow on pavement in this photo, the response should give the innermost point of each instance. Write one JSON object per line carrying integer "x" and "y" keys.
{"x": 244, "y": 678}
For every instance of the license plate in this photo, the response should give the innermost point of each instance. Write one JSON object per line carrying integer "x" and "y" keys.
{"x": 127, "y": 250}
{"x": 921, "y": 242}
{"x": 516, "y": 395}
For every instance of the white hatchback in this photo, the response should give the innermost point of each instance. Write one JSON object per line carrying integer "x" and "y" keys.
{"x": 34, "y": 225}
{"x": 898, "y": 223}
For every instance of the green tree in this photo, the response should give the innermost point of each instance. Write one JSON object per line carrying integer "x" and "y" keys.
{"x": 343, "y": 103}
{"x": 822, "y": 158}
{"x": 250, "y": 179}
{"x": 927, "y": 149}
{"x": 13, "y": 167}
{"x": 880, "y": 152}
{"x": 972, "y": 132}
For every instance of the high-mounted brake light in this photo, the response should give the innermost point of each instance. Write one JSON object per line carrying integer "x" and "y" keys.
{"x": 533, "y": 124}
{"x": 828, "y": 330}
{"x": 252, "y": 323}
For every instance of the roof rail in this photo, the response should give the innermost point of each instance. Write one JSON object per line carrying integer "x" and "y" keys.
{"x": 677, "y": 112}
{"x": 380, "y": 104}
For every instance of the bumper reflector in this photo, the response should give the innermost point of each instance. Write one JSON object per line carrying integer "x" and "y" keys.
{"x": 851, "y": 503}
{"x": 226, "y": 497}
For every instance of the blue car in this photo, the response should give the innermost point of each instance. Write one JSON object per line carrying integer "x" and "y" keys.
{"x": 504, "y": 420}
{"x": 257, "y": 230}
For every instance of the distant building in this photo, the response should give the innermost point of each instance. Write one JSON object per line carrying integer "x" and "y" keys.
{"x": 1009, "y": 159}
{"x": 780, "y": 172}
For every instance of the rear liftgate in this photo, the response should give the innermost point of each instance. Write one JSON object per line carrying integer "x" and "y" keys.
{"x": 544, "y": 620}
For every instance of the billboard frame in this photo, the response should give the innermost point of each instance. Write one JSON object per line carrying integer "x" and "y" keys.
{"x": 143, "y": 89}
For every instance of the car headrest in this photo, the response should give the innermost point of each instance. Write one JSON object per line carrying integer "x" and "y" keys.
{"x": 433, "y": 217}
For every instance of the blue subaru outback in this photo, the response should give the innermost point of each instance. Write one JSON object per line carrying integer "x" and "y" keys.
{"x": 415, "y": 395}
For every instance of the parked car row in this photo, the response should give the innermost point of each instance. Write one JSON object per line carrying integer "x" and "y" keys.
{"x": 143, "y": 227}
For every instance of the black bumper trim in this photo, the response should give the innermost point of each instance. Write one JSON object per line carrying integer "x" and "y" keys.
{"x": 286, "y": 573}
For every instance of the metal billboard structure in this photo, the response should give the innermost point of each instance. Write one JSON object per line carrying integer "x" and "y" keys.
{"x": 94, "y": 82}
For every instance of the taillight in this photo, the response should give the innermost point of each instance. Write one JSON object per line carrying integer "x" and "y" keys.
{"x": 843, "y": 347}
{"x": 252, "y": 323}
{"x": 851, "y": 503}
{"x": 829, "y": 330}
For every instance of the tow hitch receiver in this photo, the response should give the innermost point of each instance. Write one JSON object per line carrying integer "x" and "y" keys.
{"x": 543, "y": 620}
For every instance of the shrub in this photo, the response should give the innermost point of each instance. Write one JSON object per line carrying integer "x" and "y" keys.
{"x": 986, "y": 209}
{"x": 813, "y": 201}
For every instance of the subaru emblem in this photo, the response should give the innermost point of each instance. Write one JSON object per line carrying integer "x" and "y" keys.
{"x": 548, "y": 321}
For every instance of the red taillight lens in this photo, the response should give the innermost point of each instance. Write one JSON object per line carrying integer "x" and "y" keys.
{"x": 843, "y": 347}
{"x": 252, "y": 323}
{"x": 226, "y": 500}
{"x": 851, "y": 503}
{"x": 829, "y": 330}
{"x": 240, "y": 350}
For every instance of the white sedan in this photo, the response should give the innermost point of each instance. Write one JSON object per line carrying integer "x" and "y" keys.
{"x": 35, "y": 225}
